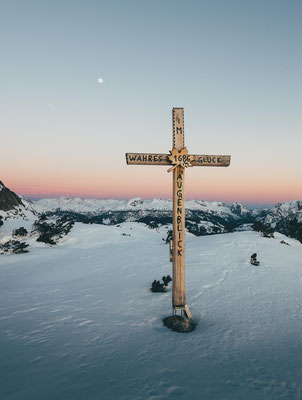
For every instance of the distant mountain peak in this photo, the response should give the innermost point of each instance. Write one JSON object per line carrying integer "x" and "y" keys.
{"x": 137, "y": 201}
{"x": 239, "y": 209}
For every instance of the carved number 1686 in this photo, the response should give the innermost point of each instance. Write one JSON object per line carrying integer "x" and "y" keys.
{"x": 182, "y": 158}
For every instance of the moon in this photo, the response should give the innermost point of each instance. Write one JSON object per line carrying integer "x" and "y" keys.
{"x": 100, "y": 80}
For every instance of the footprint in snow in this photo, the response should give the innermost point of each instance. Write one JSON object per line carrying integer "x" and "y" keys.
{"x": 176, "y": 391}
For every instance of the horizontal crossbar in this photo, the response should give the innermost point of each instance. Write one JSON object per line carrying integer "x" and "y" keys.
{"x": 196, "y": 160}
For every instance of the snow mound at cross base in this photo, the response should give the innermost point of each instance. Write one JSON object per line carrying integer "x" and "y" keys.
{"x": 78, "y": 320}
{"x": 179, "y": 324}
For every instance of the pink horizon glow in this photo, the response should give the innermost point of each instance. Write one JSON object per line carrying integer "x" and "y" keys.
{"x": 190, "y": 195}
{"x": 209, "y": 185}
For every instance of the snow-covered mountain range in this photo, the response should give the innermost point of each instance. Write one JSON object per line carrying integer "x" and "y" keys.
{"x": 202, "y": 217}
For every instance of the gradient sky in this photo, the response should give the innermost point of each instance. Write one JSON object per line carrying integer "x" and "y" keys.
{"x": 235, "y": 67}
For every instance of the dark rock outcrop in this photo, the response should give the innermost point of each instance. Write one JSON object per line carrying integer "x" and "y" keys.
{"x": 179, "y": 324}
{"x": 8, "y": 199}
{"x": 285, "y": 218}
{"x": 50, "y": 232}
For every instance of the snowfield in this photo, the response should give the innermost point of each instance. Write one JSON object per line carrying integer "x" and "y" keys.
{"x": 78, "y": 320}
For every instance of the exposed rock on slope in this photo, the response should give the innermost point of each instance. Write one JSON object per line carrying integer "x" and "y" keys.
{"x": 50, "y": 232}
{"x": 13, "y": 206}
{"x": 8, "y": 199}
{"x": 284, "y": 217}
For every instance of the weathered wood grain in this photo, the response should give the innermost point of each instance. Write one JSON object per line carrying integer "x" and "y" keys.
{"x": 178, "y": 283}
{"x": 147, "y": 159}
{"x": 178, "y": 140}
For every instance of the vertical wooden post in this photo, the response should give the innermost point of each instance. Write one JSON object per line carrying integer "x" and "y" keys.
{"x": 178, "y": 163}
{"x": 179, "y": 288}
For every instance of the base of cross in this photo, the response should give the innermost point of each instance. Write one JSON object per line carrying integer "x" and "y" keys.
{"x": 183, "y": 311}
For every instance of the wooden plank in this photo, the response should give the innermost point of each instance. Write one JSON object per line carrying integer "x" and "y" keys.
{"x": 147, "y": 159}
{"x": 178, "y": 143}
{"x": 178, "y": 287}
{"x": 178, "y": 128}
{"x": 198, "y": 160}
{"x": 203, "y": 160}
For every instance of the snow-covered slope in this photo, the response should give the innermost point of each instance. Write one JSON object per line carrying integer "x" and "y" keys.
{"x": 78, "y": 320}
{"x": 25, "y": 211}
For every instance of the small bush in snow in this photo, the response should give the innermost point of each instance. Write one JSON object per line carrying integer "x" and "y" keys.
{"x": 20, "y": 231}
{"x": 169, "y": 236}
{"x": 166, "y": 279}
{"x": 45, "y": 238}
{"x": 157, "y": 286}
{"x": 14, "y": 247}
{"x": 266, "y": 230}
{"x": 160, "y": 287}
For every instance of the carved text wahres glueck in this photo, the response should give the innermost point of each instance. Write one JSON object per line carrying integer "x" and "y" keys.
{"x": 164, "y": 158}
{"x": 208, "y": 160}
{"x": 146, "y": 157}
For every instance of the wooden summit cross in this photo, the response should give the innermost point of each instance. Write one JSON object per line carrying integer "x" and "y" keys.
{"x": 178, "y": 159}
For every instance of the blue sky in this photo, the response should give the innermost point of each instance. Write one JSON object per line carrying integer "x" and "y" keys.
{"x": 235, "y": 67}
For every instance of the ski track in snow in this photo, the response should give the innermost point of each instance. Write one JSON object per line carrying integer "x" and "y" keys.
{"x": 79, "y": 322}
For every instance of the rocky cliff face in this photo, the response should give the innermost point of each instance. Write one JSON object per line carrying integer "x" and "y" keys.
{"x": 284, "y": 217}
{"x": 8, "y": 199}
